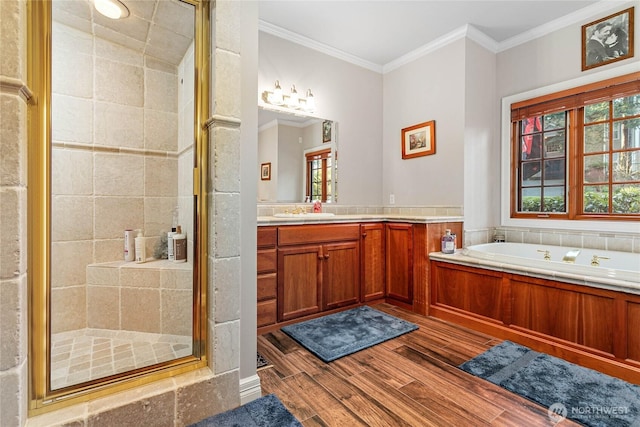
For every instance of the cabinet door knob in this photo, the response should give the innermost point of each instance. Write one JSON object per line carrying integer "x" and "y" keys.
{"x": 326, "y": 256}
{"x": 364, "y": 235}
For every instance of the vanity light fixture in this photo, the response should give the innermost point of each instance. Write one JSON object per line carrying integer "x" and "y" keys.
{"x": 311, "y": 102}
{"x": 293, "y": 101}
{"x": 277, "y": 98}
{"x": 113, "y": 9}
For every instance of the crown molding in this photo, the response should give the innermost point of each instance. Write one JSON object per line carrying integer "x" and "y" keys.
{"x": 578, "y": 17}
{"x": 469, "y": 31}
{"x": 320, "y": 47}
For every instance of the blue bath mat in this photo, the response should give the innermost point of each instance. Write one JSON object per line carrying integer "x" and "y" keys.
{"x": 340, "y": 334}
{"x": 267, "y": 411}
{"x": 567, "y": 390}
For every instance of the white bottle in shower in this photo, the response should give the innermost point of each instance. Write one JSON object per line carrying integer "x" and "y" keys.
{"x": 141, "y": 250}
{"x": 129, "y": 245}
{"x": 170, "y": 253}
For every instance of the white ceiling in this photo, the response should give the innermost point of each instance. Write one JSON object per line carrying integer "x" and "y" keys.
{"x": 377, "y": 33}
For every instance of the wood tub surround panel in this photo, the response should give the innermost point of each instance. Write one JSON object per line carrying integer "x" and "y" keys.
{"x": 631, "y": 325}
{"x": 590, "y": 326}
{"x": 469, "y": 291}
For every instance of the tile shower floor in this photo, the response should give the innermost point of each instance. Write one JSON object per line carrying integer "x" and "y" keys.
{"x": 86, "y": 354}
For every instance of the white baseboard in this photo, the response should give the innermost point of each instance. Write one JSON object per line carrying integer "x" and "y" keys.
{"x": 250, "y": 389}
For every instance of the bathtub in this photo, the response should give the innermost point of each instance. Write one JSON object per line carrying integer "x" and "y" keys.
{"x": 623, "y": 266}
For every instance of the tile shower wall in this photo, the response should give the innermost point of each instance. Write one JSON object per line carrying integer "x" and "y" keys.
{"x": 115, "y": 132}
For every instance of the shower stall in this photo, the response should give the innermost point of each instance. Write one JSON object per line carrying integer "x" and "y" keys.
{"x": 122, "y": 157}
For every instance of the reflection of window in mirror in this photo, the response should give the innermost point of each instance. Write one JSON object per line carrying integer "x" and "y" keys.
{"x": 318, "y": 175}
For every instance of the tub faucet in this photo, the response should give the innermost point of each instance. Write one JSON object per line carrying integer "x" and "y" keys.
{"x": 547, "y": 255}
{"x": 595, "y": 261}
{"x": 570, "y": 257}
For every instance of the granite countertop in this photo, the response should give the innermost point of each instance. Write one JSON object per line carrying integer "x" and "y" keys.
{"x": 337, "y": 219}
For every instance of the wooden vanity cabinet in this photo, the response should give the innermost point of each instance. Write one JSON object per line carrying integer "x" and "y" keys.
{"x": 399, "y": 262}
{"x": 372, "y": 268}
{"x": 318, "y": 268}
{"x": 267, "y": 276}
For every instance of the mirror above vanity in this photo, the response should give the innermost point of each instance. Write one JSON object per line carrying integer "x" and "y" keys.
{"x": 297, "y": 157}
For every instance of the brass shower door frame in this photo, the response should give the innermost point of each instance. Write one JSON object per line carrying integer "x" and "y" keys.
{"x": 39, "y": 54}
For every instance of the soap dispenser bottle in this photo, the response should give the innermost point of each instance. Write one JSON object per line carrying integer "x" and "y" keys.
{"x": 448, "y": 242}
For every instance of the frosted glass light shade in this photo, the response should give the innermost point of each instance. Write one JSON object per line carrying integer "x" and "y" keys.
{"x": 113, "y": 9}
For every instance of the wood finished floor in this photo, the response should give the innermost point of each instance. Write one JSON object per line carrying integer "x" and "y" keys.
{"x": 411, "y": 380}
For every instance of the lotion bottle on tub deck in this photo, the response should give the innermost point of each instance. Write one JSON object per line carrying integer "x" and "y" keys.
{"x": 448, "y": 242}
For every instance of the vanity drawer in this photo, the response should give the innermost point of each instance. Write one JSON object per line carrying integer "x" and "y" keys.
{"x": 267, "y": 312}
{"x": 267, "y": 261}
{"x": 304, "y": 234}
{"x": 267, "y": 236}
{"x": 267, "y": 286}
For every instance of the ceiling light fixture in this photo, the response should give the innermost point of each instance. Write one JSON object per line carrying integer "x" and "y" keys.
{"x": 113, "y": 9}
{"x": 293, "y": 101}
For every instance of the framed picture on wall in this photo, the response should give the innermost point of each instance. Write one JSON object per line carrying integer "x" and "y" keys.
{"x": 326, "y": 130}
{"x": 419, "y": 140}
{"x": 265, "y": 171}
{"x": 607, "y": 40}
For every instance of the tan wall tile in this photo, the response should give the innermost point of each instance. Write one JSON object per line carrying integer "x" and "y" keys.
{"x": 103, "y": 307}
{"x": 69, "y": 261}
{"x": 71, "y": 119}
{"x": 119, "y": 83}
{"x": 156, "y": 411}
{"x": 197, "y": 401}
{"x": 71, "y": 218}
{"x": 12, "y": 137}
{"x": 116, "y": 214}
{"x": 140, "y": 310}
{"x": 160, "y": 130}
{"x": 68, "y": 309}
{"x": 132, "y": 277}
{"x": 158, "y": 215}
{"x": 118, "y": 125}
{"x": 119, "y": 174}
{"x": 72, "y": 172}
{"x": 177, "y": 312}
{"x": 160, "y": 176}
{"x": 161, "y": 91}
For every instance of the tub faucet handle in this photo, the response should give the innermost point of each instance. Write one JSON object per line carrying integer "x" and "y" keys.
{"x": 547, "y": 255}
{"x": 595, "y": 261}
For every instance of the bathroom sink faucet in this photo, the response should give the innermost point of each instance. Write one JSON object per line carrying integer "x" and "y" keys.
{"x": 570, "y": 257}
